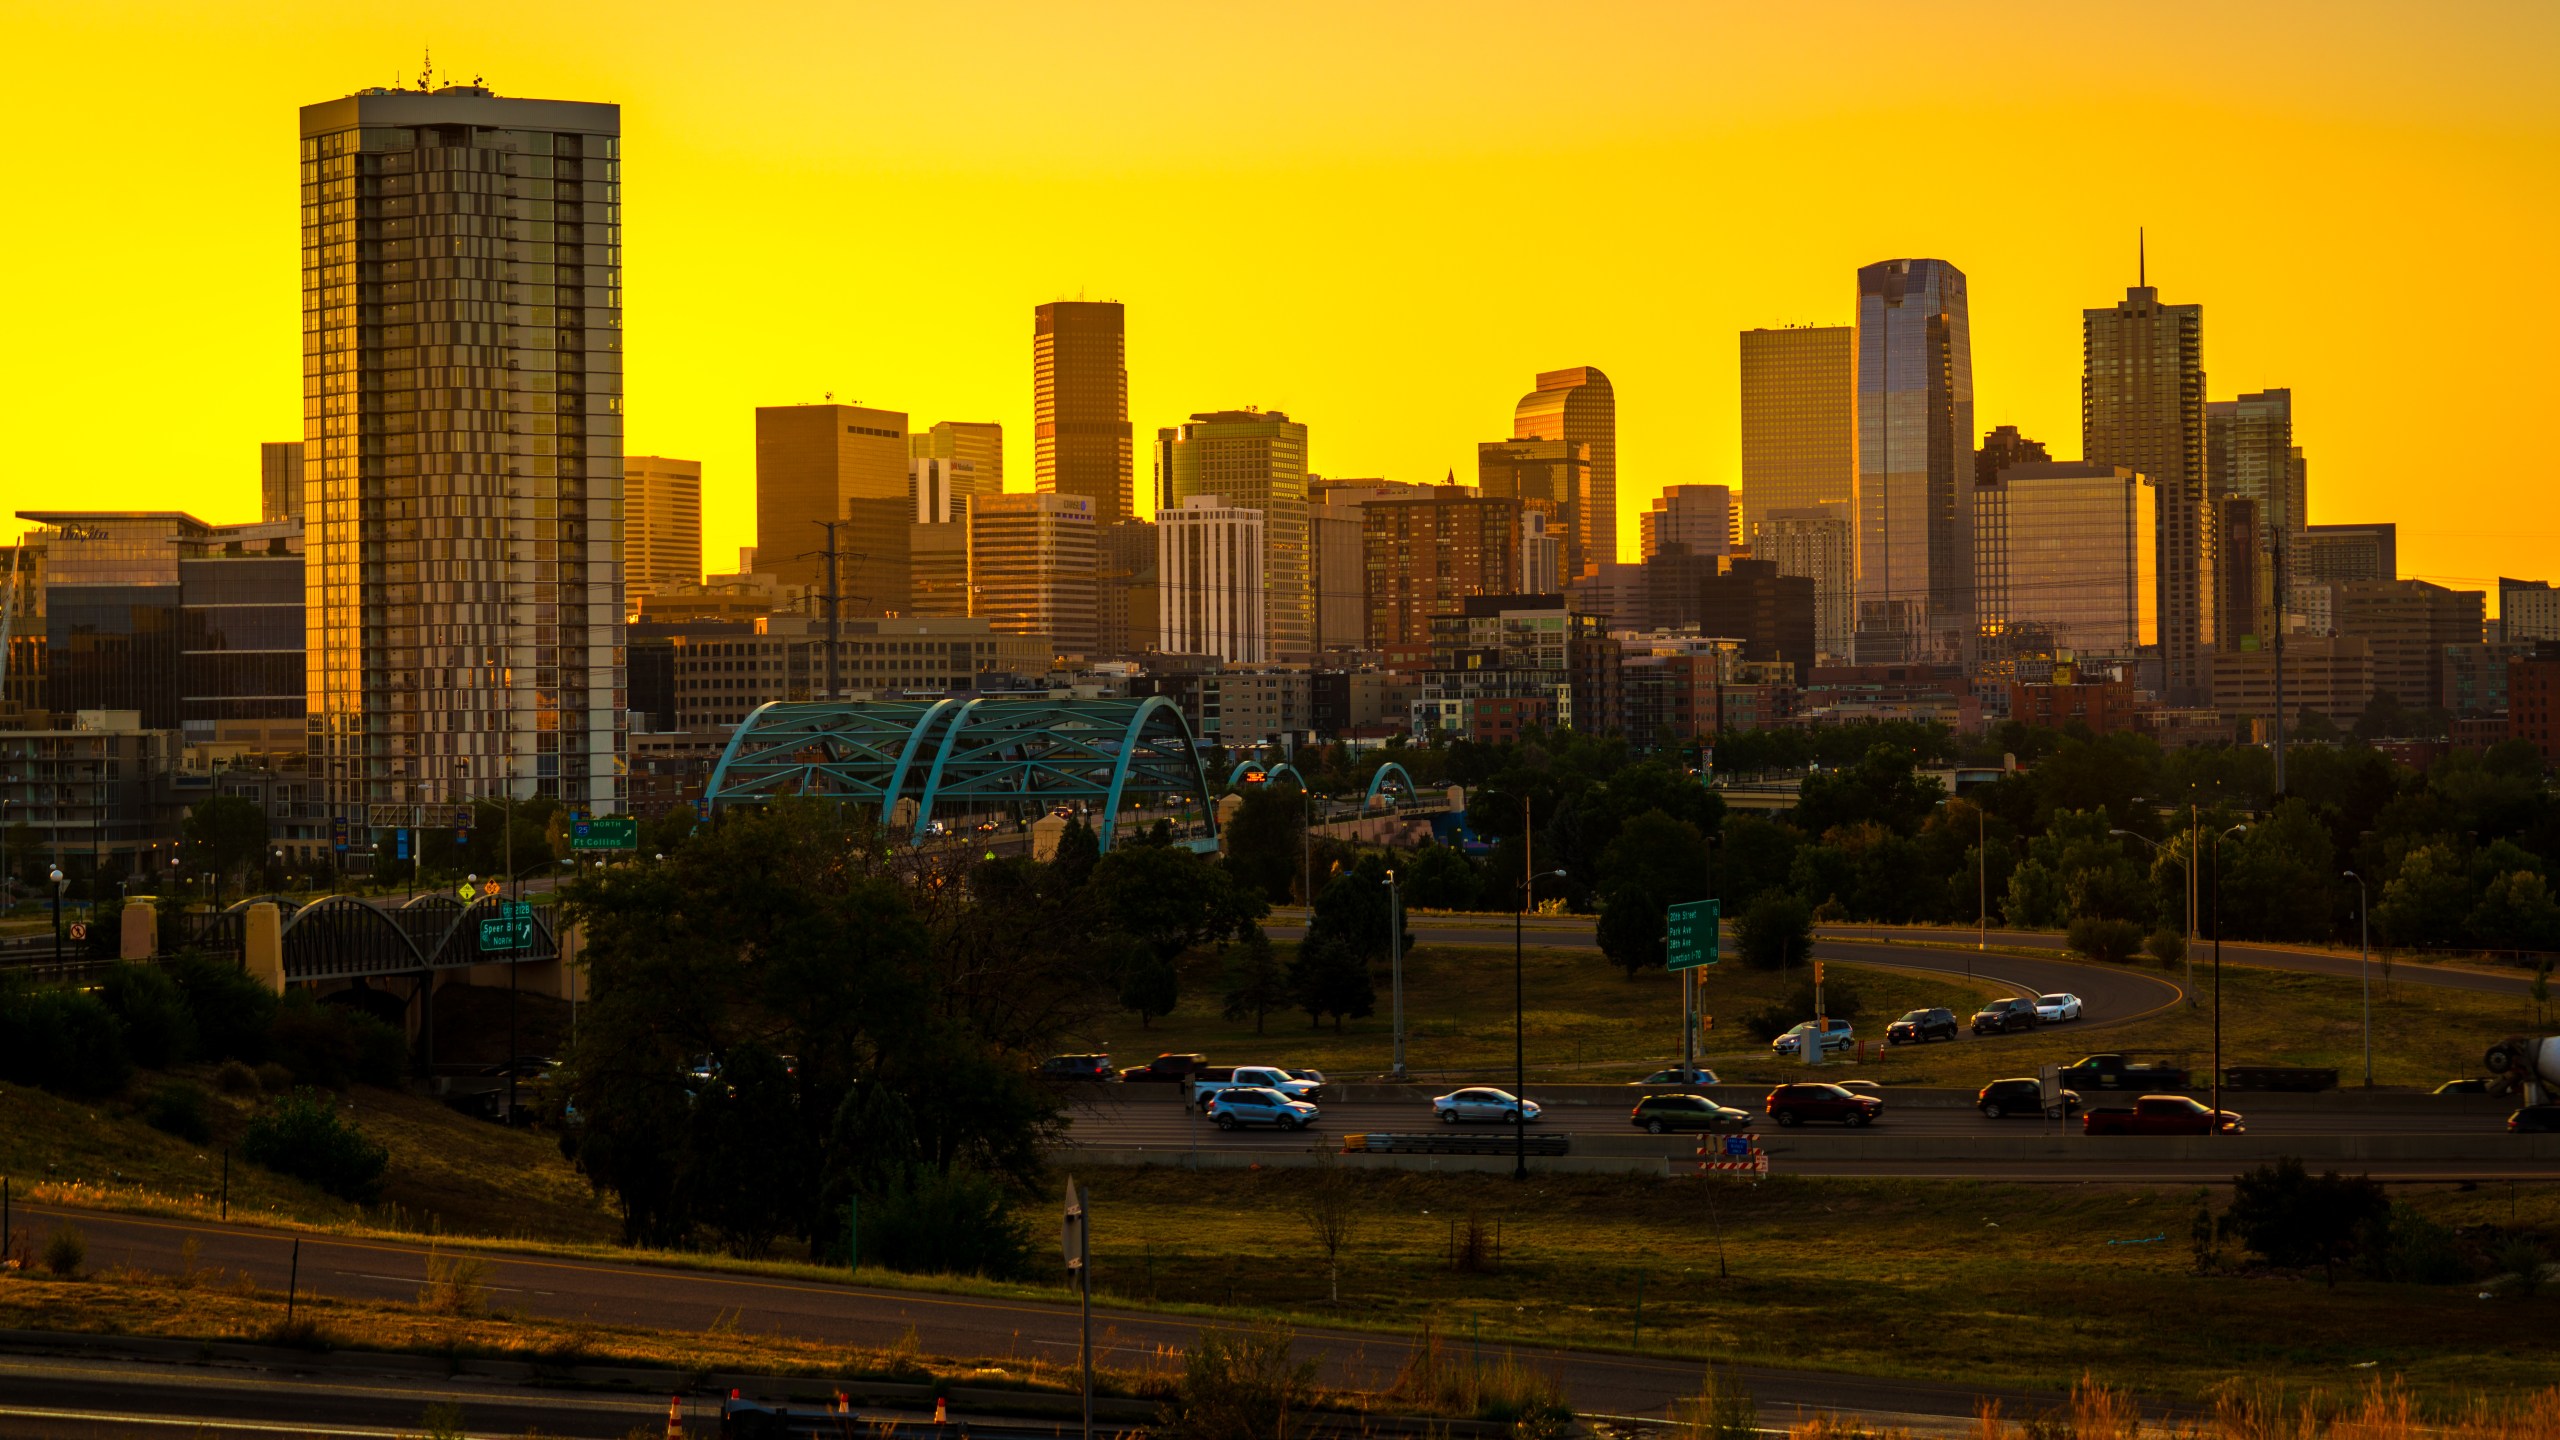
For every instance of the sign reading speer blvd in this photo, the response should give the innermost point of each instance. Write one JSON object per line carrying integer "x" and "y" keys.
{"x": 1692, "y": 935}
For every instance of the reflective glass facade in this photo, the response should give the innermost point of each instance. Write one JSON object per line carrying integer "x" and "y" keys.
{"x": 241, "y": 664}
{"x": 1580, "y": 407}
{"x": 1256, "y": 460}
{"x": 462, "y": 403}
{"x": 111, "y": 610}
{"x": 1799, "y": 421}
{"x": 1915, "y": 456}
{"x": 2063, "y": 560}
{"x": 1080, "y": 439}
{"x": 2142, "y": 407}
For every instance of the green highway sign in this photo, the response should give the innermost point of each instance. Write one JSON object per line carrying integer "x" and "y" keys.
{"x": 605, "y": 832}
{"x": 1692, "y": 935}
{"x": 509, "y": 929}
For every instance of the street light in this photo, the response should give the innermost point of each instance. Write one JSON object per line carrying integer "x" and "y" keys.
{"x": 2216, "y": 1127}
{"x": 1395, "y": 964}
{"x": 2188, "y": 866}
{"x": 58, "y": 883}
{"x": 2364, "y": 967}
{"x": 1519, "y": 1043}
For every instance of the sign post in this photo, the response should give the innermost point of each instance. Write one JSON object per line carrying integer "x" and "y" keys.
{"x": 1078, "y": 1245}
{"x": 1689, "y": 945}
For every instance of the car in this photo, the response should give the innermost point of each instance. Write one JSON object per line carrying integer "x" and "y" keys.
{"x": 2535, "y": 1120}
{"x": 1078, "y": 1067}
{"x": 1482, "y": 1102}
{"x": 1792, "y": 1105}
{"x": 1255, "y": 1105}
{"x": 1696, "y": 1075}
{"x": 1205, "y": 1083}
{"x": 2473, "y": 1086}
{"x": 1838, "y": 1037}
{"x": 2022, "y": 1096}
{"x": 2053, "y": 1009}
{"x": 2002, "y": 1016}
{"x": 1918, "y": 1027}
{"x": 2161, "y": 1115}
{"x": 1659, "y": 1114}
{"x": 1861, "y": 1087}
{"x": 1166, "y": 1069}
{"x": 1312, "y": 1077}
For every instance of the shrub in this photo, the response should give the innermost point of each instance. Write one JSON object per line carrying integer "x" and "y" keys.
{"x": 2166, "y": 946}
{"x": 1239, "y": 1387}
{"x": 274, "y": 1078}
{"x": 230, "y": 1009}
{"x": 2292, "y": 1219}
{"x": 235, "y": 1078}
{"x": 2113, "y": 941}
{"x": 158, "y": 1026}
{"x": 66, "y": 1250}
{"x": 62, "y": 1040}
{"x": 1775, "y": 932}
{"x": 330, "y": 1045}
{"x": 177, "y": 1108}
{"x": 302, "y": 1135}
{"x": 944, "y": 1222}
{"x": 2401, "y": 1244}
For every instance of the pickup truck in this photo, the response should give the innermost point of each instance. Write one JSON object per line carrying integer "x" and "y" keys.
{"x": 2160, "y": 1115}
{"x": 1206, "y": 1083}
{"x": 2120, "y": 1072}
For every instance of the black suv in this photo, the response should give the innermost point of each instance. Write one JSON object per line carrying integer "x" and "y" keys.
{"x": 2002, "y": 1016}
{"x": 2021, "y": 1097}
{"x": 1077, "y": 1067}
{"x": 1920, "y": 1026}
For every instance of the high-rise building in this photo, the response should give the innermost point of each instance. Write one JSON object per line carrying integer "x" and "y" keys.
{"x": 2528, "y": 610}
{"x": 1799, "y": 421}
{"x": 2335, "y": 554}
{"x": 938, "y": 568}
{"x": 2003, "y": 448}
{"x": 1698, "y": 516}
{"x": 111, "y": 599}
{"x": 1426, "y": 554}
{"x": 1209, "y": 574}
{"x": 462, "y": 386}
{"x": 1541, "y": 553}
{"x": 2142, "y": 407}
{"x": 241, "y": 656}
{"x": 1555, "y": 475}
{"x": 1128, "y": 609}
{"x": 1034, "y": 563}
{"x": 2409, "y": 623}
{"x": 2250, "y": 457}
{"x": 1915, "y": 457}
{"x": 280, "y": 480}
{"x": 1578, "y": 407}
{"x": 1815, "y": 542}
{"x": 811, "y": 462}
{"x": 1081, "y": 441}
{"x": 2063, "y": 555}
{"x": 1255, "y": 460}
{"x": 1339, "y": 568}
{"x": 661, "y": 526}
{"x": 975, "y": 448}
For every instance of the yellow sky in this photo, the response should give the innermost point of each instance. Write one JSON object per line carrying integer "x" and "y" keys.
{"x": 1382, "y": 218}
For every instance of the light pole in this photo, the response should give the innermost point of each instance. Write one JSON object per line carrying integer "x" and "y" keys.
{"x": 1307, "y": 842}
{"x": 1395, "y": 964}
{"x": 2364, "y": 967}
{"x": 1519, "y": 1044}
{"x": 58, "y": 883}
{"x": 2216, "y": 1127}
{"x": 1981, "y": 884}
{"x": 2188, "y": 866}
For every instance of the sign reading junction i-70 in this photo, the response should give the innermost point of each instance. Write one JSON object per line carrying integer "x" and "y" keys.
{"x": 1691, "y": 939}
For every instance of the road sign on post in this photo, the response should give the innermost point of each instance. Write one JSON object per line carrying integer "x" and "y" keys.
{"x": 1692, "y": 935}
{"x": 1079, "y": 1242}
{"x": 510, "y": 928}
{"x": 605, "y": 832}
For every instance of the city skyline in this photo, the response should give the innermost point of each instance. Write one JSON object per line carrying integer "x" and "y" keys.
{"x": 1400, "y": 352}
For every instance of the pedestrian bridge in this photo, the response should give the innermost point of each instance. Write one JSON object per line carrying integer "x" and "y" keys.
{"x": 344, "y": 937}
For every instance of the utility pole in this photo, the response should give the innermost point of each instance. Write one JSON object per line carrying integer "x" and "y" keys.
{"x": 2283, "y": 523}
{"x": 833, "y": 595}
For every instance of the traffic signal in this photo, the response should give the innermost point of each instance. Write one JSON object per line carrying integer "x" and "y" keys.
{"x": 1706, "y": 1022}
{"x": 1817, "y": 972}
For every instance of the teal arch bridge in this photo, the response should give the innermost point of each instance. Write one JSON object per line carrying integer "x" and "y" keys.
{"x": 949, "y": 759}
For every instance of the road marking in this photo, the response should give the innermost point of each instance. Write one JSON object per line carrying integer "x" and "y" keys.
{"x": 190, "y": 1422}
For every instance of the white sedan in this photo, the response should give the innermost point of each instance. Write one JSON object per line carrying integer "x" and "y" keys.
{"x": 2052, "y": 1008}
{"x": 1482, "y": 1103}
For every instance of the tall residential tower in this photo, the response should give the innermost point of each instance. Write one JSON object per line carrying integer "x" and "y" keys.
{"x": 1915, "y": 462}
{"x": 2142, "y": 407}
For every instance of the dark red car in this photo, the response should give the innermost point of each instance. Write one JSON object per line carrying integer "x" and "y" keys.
{"x": 1166, "y": 1068}
{"x": 1795, "y": 1104}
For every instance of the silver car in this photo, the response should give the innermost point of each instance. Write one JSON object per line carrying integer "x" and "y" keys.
{"x": 1257, "y": 1105}
{"x": 1483, "y": 1103}
{"x": 2053, "y": 1008}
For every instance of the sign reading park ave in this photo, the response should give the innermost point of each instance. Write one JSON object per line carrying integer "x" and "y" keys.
{"x": 1692, "y": 935}
{"x": 605, "y": 832}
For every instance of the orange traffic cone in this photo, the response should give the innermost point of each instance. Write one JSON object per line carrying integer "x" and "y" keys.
{"x": 939, "y": 1416}
{"x": 675, "y": 1417}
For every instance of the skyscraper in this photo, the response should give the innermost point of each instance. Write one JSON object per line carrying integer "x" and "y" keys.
{"x": 1426, "y": 553}
{"x": 1799, "y": 421}
{"x": 2002, "y": 448}
{"x": 462, "y": 385}
{"x": 1209, "y": 574}
{"x": 1081, "y": 442}
{"x": 1578, "y": 407}
{"x": 2063, "y": 556}
{"x": 1551, "y": 474}
{"x": 1816, "y": 542}
{"x": 280, "y": 480}
{"x": 1256, "y": 460}
{"x": 2142, "y": 407}
{"x": 975, "y": 448}
{"x": 1698, "y": 516}
{"x": 661, "y": 525}
{"x": 812, "y": 462}
{"x": 1033, "y": 560}
{"x": 1338, "y": 570}
{"x": 2257, "y": 477}
{"x": 1915, "y": 459}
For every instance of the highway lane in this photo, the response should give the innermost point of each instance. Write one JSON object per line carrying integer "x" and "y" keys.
{"x": 611, "y": 1292}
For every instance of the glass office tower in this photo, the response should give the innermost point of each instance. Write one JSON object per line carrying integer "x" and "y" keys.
{"x": 1255, "y": 460}
{"x": 2142, "y": 407}
{"x": 1081, "y": 443}
{"x": 462, "y": 404}
{"x": 1580, "y": 407}
{"x": 1915, "y": 462}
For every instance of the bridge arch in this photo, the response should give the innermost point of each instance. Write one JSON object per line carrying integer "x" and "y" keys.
{"x": 1390, "y": 775}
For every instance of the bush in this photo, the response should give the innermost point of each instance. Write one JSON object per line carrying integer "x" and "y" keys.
{"x": 2292, "y": 1219}
{"x": 61, "y": 1040}
{"x": 1775, "y": 932}
{"x": 1239, "y": 1387}
{"x": 331, "y": 1045}
{"x": 937, "y": 1222}
{"x": 2113, "y": 941}
{"x": 274, "y": 1078}
{"x": 177, "y": 1108}
{"x": 303, "y": 1136}
{"x": 1840, "y": 1001}
{"x": 158, "y": 1026}
{"x": 230, "y": 1009}
{"x": 2405, "y": 1246}
{"x": 2166, "y": 946}
{"x": 66, "y": 1251}
{"x": 235, "y": 1078}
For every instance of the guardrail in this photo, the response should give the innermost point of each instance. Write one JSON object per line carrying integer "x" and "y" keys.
{"x": 1442, "y": 1142}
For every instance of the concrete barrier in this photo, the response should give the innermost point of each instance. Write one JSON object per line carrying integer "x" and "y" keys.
{"x": 1752, "y": 1097}
{"x": 1270, "y": 1159}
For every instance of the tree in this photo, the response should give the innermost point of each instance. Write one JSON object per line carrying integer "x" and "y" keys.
{"x": 1347, "y": 935}
{"x": 1266, "y": 841}
{"x": 1329, "y": 1206}
{"x": 1257, "y": 983}
{"x": 2112, "y": 941}
{"x": 226, "y": 834}
{"x": 2516, "y": 912}
{"x": 2291, "y": 1219}
{"x": 747, "y": 1152}
{"x": 1440, "y": 877}
{"x": 1161, "y": 901}
{"x": 1655, "y": 863}
{"x": 2428, "y": 902}
{"x": 1776, "y": 932}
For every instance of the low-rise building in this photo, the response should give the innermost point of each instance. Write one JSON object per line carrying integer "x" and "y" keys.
{"x": 2329, "y": 675}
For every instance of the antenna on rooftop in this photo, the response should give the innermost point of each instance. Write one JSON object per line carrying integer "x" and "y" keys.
{"x": 427, "y": 75}
{"x": 2141, "y": 258}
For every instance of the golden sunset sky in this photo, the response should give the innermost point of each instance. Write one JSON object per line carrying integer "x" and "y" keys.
{"x": 1381, "y": 218}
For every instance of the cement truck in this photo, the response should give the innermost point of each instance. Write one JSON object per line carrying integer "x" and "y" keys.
{"x": 2529, "y": 1069}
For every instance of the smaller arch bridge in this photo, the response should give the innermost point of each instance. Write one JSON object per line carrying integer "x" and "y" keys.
{"x": 341, "y": 937}
{"x": 1254, "y": 772}
{"x": 955, "y": 757}
{"x": 1389, "y": 777}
